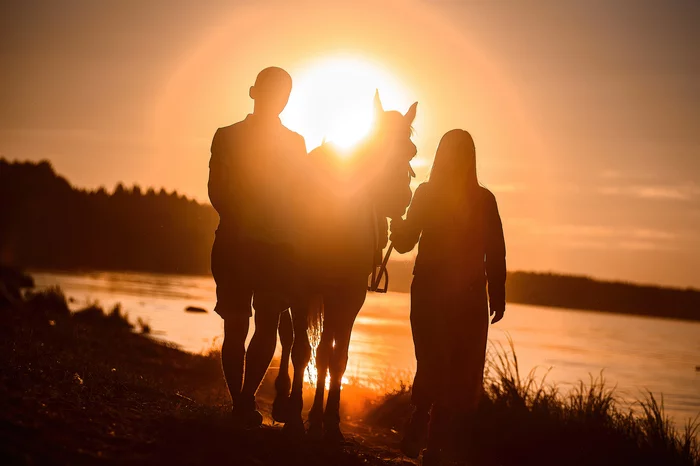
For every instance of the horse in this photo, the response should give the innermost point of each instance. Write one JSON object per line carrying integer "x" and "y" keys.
{"x": 354, "y": 194}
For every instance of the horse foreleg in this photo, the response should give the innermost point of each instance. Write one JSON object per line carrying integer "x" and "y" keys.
{"x": 347, "y": 306}
{"x": 338, "y": 364}
{"x": 301, "y": 354}
{"x": 282, "y": 382}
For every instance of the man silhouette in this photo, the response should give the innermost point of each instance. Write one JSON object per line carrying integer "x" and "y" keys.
{"x": 253, "y": 165}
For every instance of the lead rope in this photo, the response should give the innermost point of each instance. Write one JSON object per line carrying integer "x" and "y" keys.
{"x": 383, "y": 272}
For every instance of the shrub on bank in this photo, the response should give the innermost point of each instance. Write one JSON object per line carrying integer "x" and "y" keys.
{"x": 524, "y": 420}
{"x": 49, "y": 304}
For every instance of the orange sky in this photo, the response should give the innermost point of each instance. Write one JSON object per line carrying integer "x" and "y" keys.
{"x": 585, "y": 119}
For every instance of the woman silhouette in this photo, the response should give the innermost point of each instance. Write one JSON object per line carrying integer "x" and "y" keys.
{"x": 461, "y": 250}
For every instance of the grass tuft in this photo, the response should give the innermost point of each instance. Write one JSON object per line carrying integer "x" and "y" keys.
{"x": 524, "y": 420}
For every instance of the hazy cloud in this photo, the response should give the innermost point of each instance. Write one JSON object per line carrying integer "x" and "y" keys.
{"x": 643, "y": 246}
{"x": 596, "y": 236}
{"x": 685, "y": 192}
{"x": 506, "y": 188}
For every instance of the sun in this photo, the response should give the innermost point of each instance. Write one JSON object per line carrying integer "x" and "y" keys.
{"x": 332, "y": 99}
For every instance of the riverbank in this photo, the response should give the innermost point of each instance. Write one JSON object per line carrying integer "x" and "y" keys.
{"x": 523, "y": 420}
{"x": 83, "y": 388}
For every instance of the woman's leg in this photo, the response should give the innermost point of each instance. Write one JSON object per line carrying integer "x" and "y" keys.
{"x": 423, "y": 327}
{"x": 424, "y": 309}
{"x": 468, "y": 351}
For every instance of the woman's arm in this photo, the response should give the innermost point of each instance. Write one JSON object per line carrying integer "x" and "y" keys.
{"x": 495, "y": 259}
{"x": 406, "y": 233}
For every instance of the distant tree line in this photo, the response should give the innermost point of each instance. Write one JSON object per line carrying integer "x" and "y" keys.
{"x": 578, "y": 292}
{"x": 48, "y": 224}
{"x": 45, "y": 223}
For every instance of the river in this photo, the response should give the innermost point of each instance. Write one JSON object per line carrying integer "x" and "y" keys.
{"x": 634, "y": 353}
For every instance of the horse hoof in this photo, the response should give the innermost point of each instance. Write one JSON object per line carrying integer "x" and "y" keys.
{"x": 294, "y": 429}
{"x": 315, "y": 430}
{"x": 280, "y": 410}
{"x": 431, "y": 458}
{"x": 332, "y": 434}
{"x": 247, "y": 419}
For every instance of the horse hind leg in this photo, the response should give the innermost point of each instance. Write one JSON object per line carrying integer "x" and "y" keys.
{"x": 323, "y": 353}
{"x": 283, "y": 383}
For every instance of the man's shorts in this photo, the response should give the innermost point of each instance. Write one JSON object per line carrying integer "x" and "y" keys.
{"x": 248, "y": 270}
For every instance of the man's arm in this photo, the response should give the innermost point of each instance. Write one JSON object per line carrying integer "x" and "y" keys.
{"x": 218, "y": 176}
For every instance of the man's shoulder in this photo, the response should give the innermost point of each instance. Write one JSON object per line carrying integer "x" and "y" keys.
{"x": 232, "y": 129}
{"x": 294, "y": 136}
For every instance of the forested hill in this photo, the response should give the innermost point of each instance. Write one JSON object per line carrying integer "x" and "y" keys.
{"x": 578, "y": 292}
{"x": 45, "y": 223}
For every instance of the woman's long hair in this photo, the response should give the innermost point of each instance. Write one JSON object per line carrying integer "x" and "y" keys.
{"x": 453, "y": 176}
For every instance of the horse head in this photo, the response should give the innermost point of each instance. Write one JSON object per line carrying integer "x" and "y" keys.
{"x": 392, "y": 150}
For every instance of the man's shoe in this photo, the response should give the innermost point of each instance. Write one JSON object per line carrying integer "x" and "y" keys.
{"x": 280, "y": 409}
{"x": 246, "y": 415}
{"x": 431, "y": 458}
{"x": 414, "y": 437}
{"x": 249, "y": 419}
{"x": 294, "y": 429}
{"x": 332, "y": 433}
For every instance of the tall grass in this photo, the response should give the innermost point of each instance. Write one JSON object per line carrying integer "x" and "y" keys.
{"x": 524, "y": 419}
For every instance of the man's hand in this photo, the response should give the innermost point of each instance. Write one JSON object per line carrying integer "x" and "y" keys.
{"x": 497, "y": 315}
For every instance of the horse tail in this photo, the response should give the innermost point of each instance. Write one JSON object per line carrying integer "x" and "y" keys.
{"x": 315, "y": 320}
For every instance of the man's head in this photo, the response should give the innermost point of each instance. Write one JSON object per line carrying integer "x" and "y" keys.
{"x": 271, "y": 91}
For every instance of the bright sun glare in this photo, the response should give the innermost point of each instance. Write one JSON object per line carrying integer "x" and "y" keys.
{"x": 332, "y": 99}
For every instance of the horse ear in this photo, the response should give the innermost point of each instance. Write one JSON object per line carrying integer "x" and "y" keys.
{"x": 377, "y": 103}
{"x": 411, "y": 113}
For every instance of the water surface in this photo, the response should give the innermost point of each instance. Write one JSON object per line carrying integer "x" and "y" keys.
{"x": 634, "y": 353}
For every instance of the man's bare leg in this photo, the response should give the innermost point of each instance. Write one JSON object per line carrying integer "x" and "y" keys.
{"x": 233, "y": 353}
{"x": 260, "y": 351}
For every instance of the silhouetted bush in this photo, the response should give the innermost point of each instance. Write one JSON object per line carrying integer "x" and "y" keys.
{"x": 47, "y": 304}
{"x": 523, "y": 420}
{"x": 95, "y": 315}
{"x": 12, "y": 281}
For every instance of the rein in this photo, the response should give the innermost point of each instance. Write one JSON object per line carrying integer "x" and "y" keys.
{"x": 382, "y": 273}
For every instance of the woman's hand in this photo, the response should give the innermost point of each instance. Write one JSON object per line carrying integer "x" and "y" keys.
{"x": 497, "y": 314}
{"x": 397, "y": 225}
